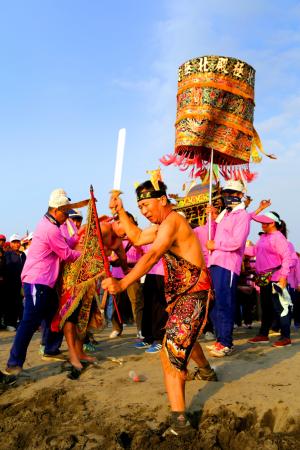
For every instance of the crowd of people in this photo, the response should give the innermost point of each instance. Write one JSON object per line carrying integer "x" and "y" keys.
{"x": 175, "y": 282}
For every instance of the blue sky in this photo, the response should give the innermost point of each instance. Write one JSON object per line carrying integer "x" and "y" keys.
{"x": 74, "y": 72}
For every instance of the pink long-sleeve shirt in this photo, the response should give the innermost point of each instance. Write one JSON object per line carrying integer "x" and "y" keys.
{"x": 47, "y": 249}
{"x": 132, "y": 256}
{"x": 292, "y": 278}
{"x": 70, "y": 233}
{"x": 271, "y": 251}
{"x": 230, "y": 240}
{"x": 202, "y": 234}
{"x": 296, "y": 275}
{"x": 158, "y": 268}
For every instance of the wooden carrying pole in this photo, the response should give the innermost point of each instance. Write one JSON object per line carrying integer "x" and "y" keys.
{"x": 210, "y": 192}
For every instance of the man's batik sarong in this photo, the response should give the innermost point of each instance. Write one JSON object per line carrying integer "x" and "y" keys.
{"x": 78, "y": 281}
{"x": 187, "y": 289}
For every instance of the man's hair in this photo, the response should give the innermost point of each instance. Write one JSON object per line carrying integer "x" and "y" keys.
{"x": 116, "y": 217}
{"x": 131, "y": 217}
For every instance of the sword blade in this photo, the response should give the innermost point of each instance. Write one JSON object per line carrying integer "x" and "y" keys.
{"x": 119, "y": 159}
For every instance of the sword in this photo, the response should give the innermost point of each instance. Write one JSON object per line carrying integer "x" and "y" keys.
{"x": 119, "y": 162}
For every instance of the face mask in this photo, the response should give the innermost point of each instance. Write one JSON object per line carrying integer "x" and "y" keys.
{"x": 231, "y": 201}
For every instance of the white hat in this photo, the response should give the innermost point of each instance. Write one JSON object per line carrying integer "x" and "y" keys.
{"x": 58, "y": 198}
{"x": 15, "y": 237}
{"x": 60, "y": 191}
{"x": 235, "y": 185}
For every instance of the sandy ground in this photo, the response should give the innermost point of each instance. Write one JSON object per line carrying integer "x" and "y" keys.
{"x": 254, "y": 405}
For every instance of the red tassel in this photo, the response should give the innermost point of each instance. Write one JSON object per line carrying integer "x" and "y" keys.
{"x": 198, "y": 167}
{"x": 168, "y": 159}
{"x": 250, "y": 176}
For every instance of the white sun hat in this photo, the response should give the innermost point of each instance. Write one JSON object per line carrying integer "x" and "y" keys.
{"x": 235, "y": 185}
{"x": 58, "y": 198}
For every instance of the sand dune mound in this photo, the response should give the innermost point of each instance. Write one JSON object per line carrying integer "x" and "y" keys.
{"x": 253, "y": 406}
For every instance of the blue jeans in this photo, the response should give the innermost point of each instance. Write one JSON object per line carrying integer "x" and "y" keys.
{"x": 109, "y": 308}
{"x": 223, "y": 310}
{"x": 44, "y": 308}
{"x": 50, "y": 340}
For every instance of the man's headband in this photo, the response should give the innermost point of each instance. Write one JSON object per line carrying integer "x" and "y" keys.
{"x": 145, "y": 194}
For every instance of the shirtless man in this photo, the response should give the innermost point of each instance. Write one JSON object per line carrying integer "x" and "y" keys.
{"x": 187, "y": 288}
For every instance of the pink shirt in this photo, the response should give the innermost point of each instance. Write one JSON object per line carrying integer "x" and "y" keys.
{"x": 293, "y": 274}
{"x": 202, "y": 234}
{"x": 230, "y": 240}
{"x": 48, "y": 247}
{"x": 272, "y": 250}
{"x": 158, "y": 268}
{"x": 132, "y": 255}
{"x": 70, "y": 232}
{"x": 296, "y": 272}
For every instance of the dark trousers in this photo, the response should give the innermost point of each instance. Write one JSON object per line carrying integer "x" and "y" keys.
{"x": 2, "y": 300}
{"x": 295, "y": 296}
{"x": 154, "y": 313}
{"x": 271, "y": 310}
{"x": 223, "y": 309}
{"x": 13, "y": 305}
{"x": 131, "y": 299}
{"x": 41, "y": 303}
{"x": 245, "y": 304}
{"x": 209, "y": 328}
{"x": 122, "y": 302}
{"x": 50, "y": 340}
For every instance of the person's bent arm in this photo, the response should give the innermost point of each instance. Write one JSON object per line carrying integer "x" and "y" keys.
{"x": 120, "y": 252}
{"x": 262, "y": 205}
{"x": 164, "y": 240}
{"x": 135, "y": 234}
{"x": 281, "y": 246}
{"x": 59, "y": 246}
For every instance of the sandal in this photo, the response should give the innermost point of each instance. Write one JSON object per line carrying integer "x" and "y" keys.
{"x": 74, "y": 373}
